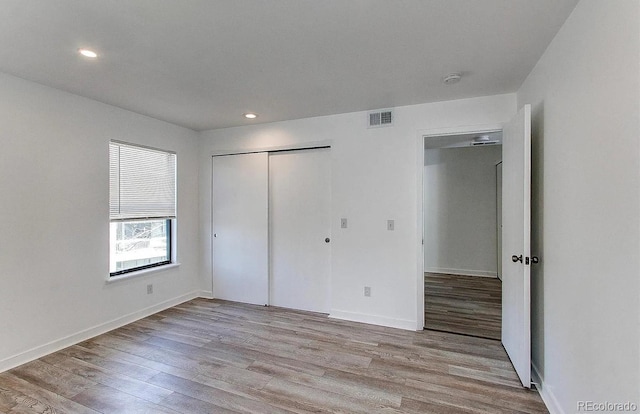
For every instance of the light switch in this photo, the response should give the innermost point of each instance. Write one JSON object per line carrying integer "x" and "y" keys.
{"x": 343, "y": 223}
{"x": 391, "y": 224}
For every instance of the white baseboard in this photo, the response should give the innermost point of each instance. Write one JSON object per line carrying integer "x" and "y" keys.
{"x": 546, "y": 394}
{"x": 461, "y": 272}
{"x": 58, "y": 344}
{"x": 406, "y": 324}
{"x": 206, "y": 294}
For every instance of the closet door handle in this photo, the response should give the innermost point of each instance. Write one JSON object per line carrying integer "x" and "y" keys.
{"x": 516, "y": 259}
{"x": 327, "y": 240}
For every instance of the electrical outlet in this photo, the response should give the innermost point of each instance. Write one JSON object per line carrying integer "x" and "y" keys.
{"x": 343, "y": 223}
{"x": 391, "y": 225}
{"x": 149, "y": 289}
{"x": 367, "y": 291}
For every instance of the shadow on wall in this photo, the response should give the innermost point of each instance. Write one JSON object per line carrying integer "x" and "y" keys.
{"x": 537, "y": 240}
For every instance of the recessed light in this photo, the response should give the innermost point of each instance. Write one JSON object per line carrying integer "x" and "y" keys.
{"x": 88, "y": 53}
{"x": 452, "y": 78}
{"x": 250, "y": 115}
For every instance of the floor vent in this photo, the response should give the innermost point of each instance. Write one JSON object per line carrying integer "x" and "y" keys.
{"x": 380, "y": 118}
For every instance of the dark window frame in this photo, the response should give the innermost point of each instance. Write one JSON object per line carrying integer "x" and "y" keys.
{"x": 169, "y": 237}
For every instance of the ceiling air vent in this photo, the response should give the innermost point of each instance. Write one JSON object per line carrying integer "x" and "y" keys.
{"x": 484, "y": 140}
{"x": 475, "y": 144}
{"x": 380, "y": 118}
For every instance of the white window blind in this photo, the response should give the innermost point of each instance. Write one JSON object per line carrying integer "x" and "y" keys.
{"x": 142, "y": 182}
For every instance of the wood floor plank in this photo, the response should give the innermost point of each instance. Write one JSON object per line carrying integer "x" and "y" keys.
{"x": 30, "y": 398}
{"x": 188, "y": 405}
{"x": 490, "y": 397}
{"x": 108, "y": 359}
{"x": 324, "y": 399}
{"x": 418, "y": 407}
{"x": 210, "y": 356}
{"x": 216, "y": 396}
{"x": 54, "y": 379}
{"x": 468, "y": 305}
{"x": 140, "y": 389}
{"x": 333, "y": 385}
{"x": 108, "y": 400}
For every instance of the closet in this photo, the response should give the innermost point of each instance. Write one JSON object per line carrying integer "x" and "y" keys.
{"x": 271, "y": 227}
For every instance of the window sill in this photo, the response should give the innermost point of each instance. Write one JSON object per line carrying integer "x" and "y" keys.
{"x": 143, "y": 272}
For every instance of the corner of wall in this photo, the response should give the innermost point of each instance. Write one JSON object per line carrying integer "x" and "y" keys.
{"x": 546, "y": 394}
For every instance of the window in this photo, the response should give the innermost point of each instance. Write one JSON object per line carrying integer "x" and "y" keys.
{"x": 142, "y": 207}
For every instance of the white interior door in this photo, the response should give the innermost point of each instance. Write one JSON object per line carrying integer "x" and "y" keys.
{"x": 299, "y": 210}
{"x": 516, "y": 243}
{"x": 240, "y": 227}
{"x": 499, "y": 217}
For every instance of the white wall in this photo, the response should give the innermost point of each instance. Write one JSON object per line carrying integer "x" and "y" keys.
{"x": 376, "y": 176}
{"x": 54, "y": 253}
{"x": 460, "y": 210}
{"x": 585, "y": 92}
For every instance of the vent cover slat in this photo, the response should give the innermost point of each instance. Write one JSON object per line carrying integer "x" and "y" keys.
{"x": 380, "y": 118}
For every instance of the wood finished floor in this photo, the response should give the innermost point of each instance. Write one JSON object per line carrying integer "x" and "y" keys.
{"x": 209, "y": 356}
{"x": 468, "y": 305}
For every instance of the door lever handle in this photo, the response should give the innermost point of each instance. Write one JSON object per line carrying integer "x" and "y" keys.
{"x": 516, "y": 259}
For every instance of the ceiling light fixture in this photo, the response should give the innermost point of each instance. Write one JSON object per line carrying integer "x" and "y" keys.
{"x": 250, "y": 115}
{"x": 88, "y": 53}
{"x": 452, "y": 78}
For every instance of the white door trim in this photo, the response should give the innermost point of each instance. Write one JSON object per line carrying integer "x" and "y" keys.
{"x": 420, "y": 137}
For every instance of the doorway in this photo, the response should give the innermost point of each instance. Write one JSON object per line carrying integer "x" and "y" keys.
{"x": 463, "y": 293}
{"x": 516, "y": 257}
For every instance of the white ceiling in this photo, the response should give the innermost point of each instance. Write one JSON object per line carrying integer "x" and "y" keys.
{"x": 203, "y": 63}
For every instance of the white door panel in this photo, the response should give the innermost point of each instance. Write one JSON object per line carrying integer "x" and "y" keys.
{"x": 499, "y": 216}
{"x": 240, "y": 227}
{"x": 299, "y": 211}
{"x": 516, "y": 246}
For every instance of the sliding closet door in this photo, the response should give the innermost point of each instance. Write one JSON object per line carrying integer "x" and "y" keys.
{"x": 299, "y": 209}
{"x": 240, "y": 227}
